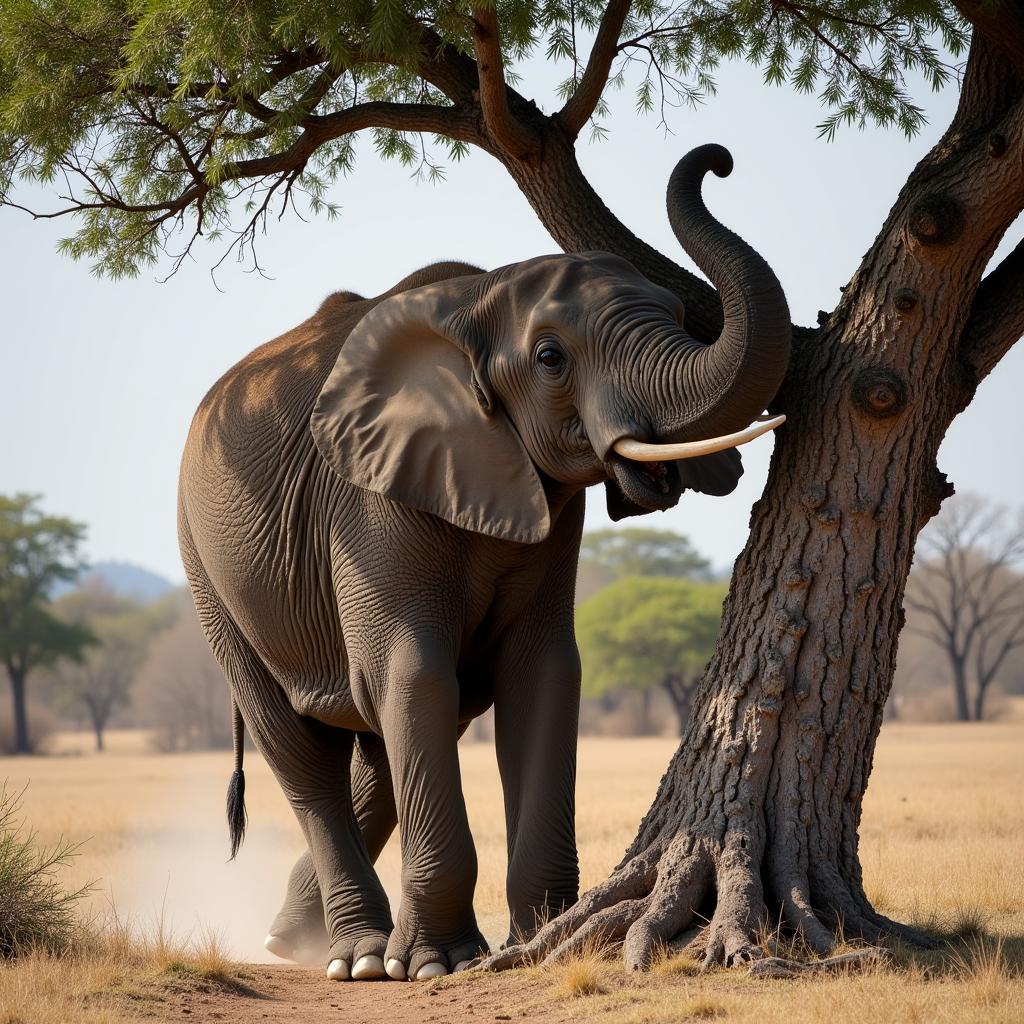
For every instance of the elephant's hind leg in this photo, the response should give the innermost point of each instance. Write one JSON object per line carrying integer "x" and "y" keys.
{"x": 312, "y": 763}
{"x": 298, "y": 932}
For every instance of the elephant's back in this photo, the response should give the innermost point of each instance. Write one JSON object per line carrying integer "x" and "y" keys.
{"x": 253, "y": 487}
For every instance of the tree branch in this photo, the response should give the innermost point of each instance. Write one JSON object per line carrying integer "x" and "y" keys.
{"x": 506, "y": 130}
{"x": 578, "y": 108}
{"x": 996, "y": 320}
{"x": 1001, "y": 22}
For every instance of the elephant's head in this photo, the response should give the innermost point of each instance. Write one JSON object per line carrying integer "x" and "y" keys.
{"x": 467, "y": 397}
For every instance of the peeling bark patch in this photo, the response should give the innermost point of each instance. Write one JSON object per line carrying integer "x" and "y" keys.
{"x": 879, "y": 393}
{"x": 814, "y": 497}
{"x": 797, "y": 577}
{"x": 829, "y": 515}
{"x": 936, "y": 487}
{"x": 936, "y": 220}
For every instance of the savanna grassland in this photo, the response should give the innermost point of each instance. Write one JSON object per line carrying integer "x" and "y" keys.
{"x": 180, "y": 929}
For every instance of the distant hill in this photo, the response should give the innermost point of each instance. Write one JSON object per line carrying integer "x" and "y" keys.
{"x": 123, "y": 578}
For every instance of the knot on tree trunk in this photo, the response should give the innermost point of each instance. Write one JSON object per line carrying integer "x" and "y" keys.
{"x": 936, "y": 220}
{"x": 879, "y": 393}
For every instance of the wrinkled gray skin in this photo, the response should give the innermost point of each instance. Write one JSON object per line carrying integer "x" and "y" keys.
{"x": 360, "y": 633}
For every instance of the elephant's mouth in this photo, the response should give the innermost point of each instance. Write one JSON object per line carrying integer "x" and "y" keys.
{"x": 654, "y": 486}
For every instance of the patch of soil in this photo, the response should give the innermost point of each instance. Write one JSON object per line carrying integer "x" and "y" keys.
{"x": 302, "y": 995}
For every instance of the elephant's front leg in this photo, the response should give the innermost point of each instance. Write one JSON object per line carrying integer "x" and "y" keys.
{"x": 536, "y": 714}
{"x": 435, "y": 929}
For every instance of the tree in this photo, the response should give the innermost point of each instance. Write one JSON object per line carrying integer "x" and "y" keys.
{"x": 969, "y": 599}
{"x": 644, "y": 633}
{"x": 154, "y": 118}
{"x": 607, "y": 555}
{"x": 37, "y": 551}
{"x": 180, "y": 688}
{"x": 101, "y": 680}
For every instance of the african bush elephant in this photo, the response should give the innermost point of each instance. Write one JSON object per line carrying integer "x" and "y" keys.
{"x": 380, "y": 513}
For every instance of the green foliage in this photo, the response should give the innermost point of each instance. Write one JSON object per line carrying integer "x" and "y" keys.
{"x": 640, "y": 632}
{"x": 37, "y": 551}
{"x": 641, "y": 551}
{"x": 158, "y": 121}
{"x": 36, "y": 912}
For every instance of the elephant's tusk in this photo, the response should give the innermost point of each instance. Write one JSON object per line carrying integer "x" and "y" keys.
{"x": 639, "y": 451}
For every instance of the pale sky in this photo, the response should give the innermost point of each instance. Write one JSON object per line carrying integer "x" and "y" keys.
{"x": 100, "y": 378}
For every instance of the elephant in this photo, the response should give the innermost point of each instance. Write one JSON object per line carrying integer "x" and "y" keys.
{"x": 380, "y": 514}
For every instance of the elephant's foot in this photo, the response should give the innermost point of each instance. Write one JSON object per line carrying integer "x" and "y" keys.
{"x": 359, "y": 958}
{"x": 298, "y": 932}
{"x": 302, "y": 946}
{"x": 412, "y": 954}
{"x": 300, "y": 938}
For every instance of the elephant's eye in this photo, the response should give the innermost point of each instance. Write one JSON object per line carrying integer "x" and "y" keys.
{"x": 550, "y": 357}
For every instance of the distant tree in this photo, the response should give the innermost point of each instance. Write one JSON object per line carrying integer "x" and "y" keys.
{"x": 609, "y": 555}
{"x": 181, "y": 691}
{"x": 101, "y": 680}
{"x": 37, "y": 551}
{"x": 644, "y": 634}
{"x": 968, "y": 597}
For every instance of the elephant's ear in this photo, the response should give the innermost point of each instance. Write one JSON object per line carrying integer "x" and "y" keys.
{"x": 405, "y": 413}
{"x": 716, "y": 474}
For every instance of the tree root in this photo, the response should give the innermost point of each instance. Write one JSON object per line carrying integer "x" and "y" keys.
{"x": 858, "y": 959}
{"x": 653, "y": 898}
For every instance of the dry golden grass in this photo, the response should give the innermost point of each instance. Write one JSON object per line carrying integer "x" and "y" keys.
{"x": 942, "y": 845}
{"x": 116, "y": 969}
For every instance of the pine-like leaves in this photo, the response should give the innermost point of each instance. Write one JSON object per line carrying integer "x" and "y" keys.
{"x": 160, "y": 121}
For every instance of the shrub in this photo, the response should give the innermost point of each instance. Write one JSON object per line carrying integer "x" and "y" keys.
{"x": 36, "y": 912}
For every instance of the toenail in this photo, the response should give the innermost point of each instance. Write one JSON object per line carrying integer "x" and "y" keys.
{"x": 396, "y": 970}
{"x": 431, "y": 970}
{"x": 337, "y": 970}
{"x": 368, "y": 968}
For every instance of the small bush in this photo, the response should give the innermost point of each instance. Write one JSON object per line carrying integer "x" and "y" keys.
{"x": 36, "y": 912}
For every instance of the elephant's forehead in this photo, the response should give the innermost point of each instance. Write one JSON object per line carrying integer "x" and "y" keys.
{"x": 569, "y": 293}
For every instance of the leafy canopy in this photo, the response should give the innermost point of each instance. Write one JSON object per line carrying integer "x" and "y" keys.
{"x": 642, "y": 551}
{"x": 123, "y": 629}
{"x": 37, "y": 551}
{"x": 639, "y": 632}
{"x": 157, "y": 121}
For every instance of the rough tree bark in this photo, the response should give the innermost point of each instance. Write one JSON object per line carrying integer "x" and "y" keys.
{"x": 758, "y": 812}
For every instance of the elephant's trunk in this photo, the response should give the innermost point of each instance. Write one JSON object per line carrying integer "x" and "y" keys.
{"x": 727, "y": 384}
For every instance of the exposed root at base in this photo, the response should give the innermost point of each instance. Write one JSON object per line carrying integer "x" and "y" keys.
{"x": 858, "y": 959}
{"x": 654, "y": 897}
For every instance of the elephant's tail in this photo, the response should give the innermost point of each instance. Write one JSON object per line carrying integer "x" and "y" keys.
{"x": 236, "y": 787}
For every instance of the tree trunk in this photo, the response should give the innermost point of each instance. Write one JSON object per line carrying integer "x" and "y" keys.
{"x": 979, "y": 701}
{"x": 759, "y": 810}
{"x": 681, "y": 694}
{"x": 963, "y": 708}
{"x": 22, "y": 744}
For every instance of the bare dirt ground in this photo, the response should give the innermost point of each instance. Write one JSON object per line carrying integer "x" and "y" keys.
{"x": 301, "y": 995}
